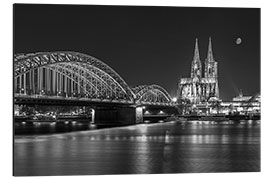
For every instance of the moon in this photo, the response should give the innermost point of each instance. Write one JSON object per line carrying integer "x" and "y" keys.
{"x": 238, "y": 41}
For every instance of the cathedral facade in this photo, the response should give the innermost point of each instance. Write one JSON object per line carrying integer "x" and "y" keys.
{"x": 198, "y": 89}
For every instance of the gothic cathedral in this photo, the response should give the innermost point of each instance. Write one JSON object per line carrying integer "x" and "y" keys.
{"x": 198, "y": 89}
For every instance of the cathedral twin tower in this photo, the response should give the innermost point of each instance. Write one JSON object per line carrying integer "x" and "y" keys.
{"x": 198, "y": 89}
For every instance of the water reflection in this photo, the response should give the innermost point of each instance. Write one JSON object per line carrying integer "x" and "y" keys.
{"x": 151, "y": 148}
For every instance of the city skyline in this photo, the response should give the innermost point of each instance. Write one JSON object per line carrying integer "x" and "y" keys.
{"x": 153, "y": 89}
{"x": 157, "y": 42}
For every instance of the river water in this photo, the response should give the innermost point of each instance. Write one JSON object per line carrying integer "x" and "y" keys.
{"x": 141, "y": 149}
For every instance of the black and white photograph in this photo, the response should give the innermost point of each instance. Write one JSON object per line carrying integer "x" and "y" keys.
{"x": 133, "y": 89}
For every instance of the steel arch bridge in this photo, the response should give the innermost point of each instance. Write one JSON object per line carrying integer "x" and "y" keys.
{"x": 152, "y": 94}
{"x": 72, "y": 75}
{"x": 68, "y": 74}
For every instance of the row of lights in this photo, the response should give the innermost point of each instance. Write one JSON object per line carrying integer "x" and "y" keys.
{"x": 174, "y": 99}
{"x": 42, "y": 92}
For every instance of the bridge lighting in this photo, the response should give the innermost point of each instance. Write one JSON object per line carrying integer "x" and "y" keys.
{"x": 53, "y": 123}
{"x": 174, "y": 99}
{"x": 92, "y": 125}
{"x": 161, "y": 112}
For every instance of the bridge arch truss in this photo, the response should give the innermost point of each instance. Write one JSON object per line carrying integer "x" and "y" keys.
{"x": 152, "y": 94}
{"x": 68, "y": 74}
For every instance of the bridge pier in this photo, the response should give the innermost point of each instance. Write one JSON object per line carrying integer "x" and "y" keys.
{"x": 139, "y": 115}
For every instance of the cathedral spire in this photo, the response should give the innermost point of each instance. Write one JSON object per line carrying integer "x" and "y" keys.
{"x": 196, "y": 66}
{"x": 210, "y": 57}
{"x": 196, "y": 52}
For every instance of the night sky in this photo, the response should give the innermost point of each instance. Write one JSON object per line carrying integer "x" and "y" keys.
{"x": 149, "y": 45}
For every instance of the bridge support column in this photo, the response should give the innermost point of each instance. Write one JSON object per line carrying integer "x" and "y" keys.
{"x": 41, "y": 81}
{"x": 20, "y": 86}
{"x": 15, "y": 84}
{"x": 24, "y": 84}
{"x": 30, "y": 82}
{"x": 66, "y": 84}
{"x": 93, "y": 116}
{"x": 56, "y": 82}
{"x": 71, "y": 84}
{"x": 139, "y": 114}
{"x": 33, "y": 82}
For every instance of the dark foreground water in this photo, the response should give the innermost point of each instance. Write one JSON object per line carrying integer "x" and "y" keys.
{"x": 141, "y": 149}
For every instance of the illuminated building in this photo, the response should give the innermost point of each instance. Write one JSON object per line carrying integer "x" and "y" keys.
{"x": 242, "y": 105}
{"x": 241, "y": 97}
{"x": 198, "y": 89}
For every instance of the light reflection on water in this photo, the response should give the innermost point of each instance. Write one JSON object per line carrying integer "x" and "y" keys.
{"x": 151, "y": 148}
